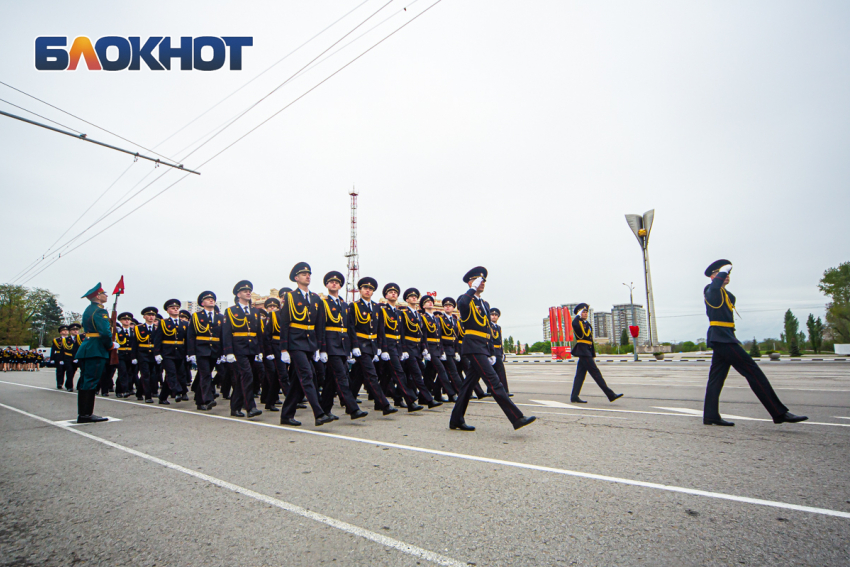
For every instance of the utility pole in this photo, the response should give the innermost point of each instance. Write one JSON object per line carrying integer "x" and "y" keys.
{"x": 641, "y": 225}
{"x": 353, "y": 258}
{"x": 631, "y": 286}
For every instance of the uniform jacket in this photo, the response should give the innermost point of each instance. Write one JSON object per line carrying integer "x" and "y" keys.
{"x": 389, "y": 332}
{"x": 242, "y": 333}
{"x": 271, "y": 344}
{"x": 475, "y": 321}
{"x": 169, "y": 339}
{"x": 412, "y": 333}
{"x": 432, "y": 335}
{"x": 720, "y": 307}
{"x": 583, "y": 333}
{"x": 204, "y": 336}
{"x": 498, "y": 339}
{"x": 62, "y": 349}
{"x": 78, "y": 342}
{"x": 141, "y": 341}
{"x": 301, "y": 322}
{"x": 448, "y": 333}
{"x": 98, "y": 330}
{"x": 337, "y": 337}
{"x": 125, "y": 344}
{"x": 367, "y": 323}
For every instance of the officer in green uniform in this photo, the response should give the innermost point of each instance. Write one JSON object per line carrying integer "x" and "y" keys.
{"x": 93, "y": 354}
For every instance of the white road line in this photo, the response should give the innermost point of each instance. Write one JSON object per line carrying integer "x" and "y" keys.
{"x": 73, "y": 422}
{"x": 580, "y": 415}
{"x": 698, "y": 413}
{"x": 839, "y": 417}
{"x": 514, "y": 464}
{"x": 321, "y": 518}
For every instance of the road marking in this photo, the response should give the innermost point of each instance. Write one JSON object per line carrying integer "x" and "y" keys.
{"x": 839, "y": 417}
{"x": 562, "y": 405}
{"x": 580, "y": 415}
{"x": 462, "y": 456}
{"x": 73, "y": 422}
{"x": 698, "y": 413}
{"x": 315, "y": 516}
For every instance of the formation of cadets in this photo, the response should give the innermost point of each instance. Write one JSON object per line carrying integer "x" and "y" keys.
{"x": 18, "y": 359}
{"x": 312, "y": 350}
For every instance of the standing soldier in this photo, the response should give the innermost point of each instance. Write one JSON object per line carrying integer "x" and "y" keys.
{"x": 204, "y": 348}
{"x": 413, "y": 347}
{"x": 60, "y": 353}
{"x": 141, "y": 343}
{"x": 389, "y": 337}
{"x": 93, "y": 354}
{"x": 436, "y": 354}
{"x": 243, "y": 341}
{"x": 499, "y": 348}
{"x": 586, "y": 352}
{"x": 727, "y": 351}
{"x": 301, "y": 333}
{"x": 124, "y": 385}
{"x": 170, "y": 351}
{"x": 478, "y": 354}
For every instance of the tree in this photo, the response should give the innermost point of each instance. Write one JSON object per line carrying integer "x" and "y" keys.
{"x": 792, "y": 327}
{"x": 509, "y": 345}
{"x": 754, "y": 350}
{"x": 46, "y": 320}
{"x": 541, "y": 346}
{"x": 624, "y": 337}
{"x": 836, "y": 284}
{"x": 815, "y": 327}
{"x": 24, "y": 312}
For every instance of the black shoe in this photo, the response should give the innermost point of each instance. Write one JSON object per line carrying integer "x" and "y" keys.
{"x": 389, "y": 409}
{"x": 332, "y": 416}
{"x": 178, "y": 399}
{"x": 148, "y": 400}
{"x": 441, "y": 399}
{"x": 212, "y": 404}
{"x": 290, "y": 421}
{"x": 578, "y": 401}
{"x": 90, "y": 418}
{"x": 358, "y": 414}
{"x": 453, "y": 398}
{"x": 717, "y": 421}
{"x": 184, "y": 398}
{"x": 510, "y": 395}
{"x": 789, "y": 417}
{"x": 400, "y": 404}
{"x": 462, "y": 427}
{"x": 433, "y": 404}
{"x": 164, "y": 403}
{"x": 323, "y": 419}
{"x": 215, "y": 396}
{"x": 301, "y": 406}
{"x": 414, "y": 407}
{"x": 58, "y": 387}
{"x": 616, "y": 397}
{"x": 272, "y": 408}
{"x": 255, "y": 412}
{"x": 226, "y": 397}
{"x": 237, "y": 413}
{"x": 97, "y": 418}
{"x": 70, "y": 389}
{"x": 523, "y": 421}
{"x": 203, "y": 407}
{"x": 487, "y": 395}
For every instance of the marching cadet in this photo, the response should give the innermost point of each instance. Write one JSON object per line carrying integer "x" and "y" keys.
{"x": 169, "y": 350}
{"x": 436, "y": 355}
{"x": 142, "y": 345}
{"x": 243, "y": 341}
{"x": 727, "y": 351}
{"x": 301, "y": 333}
{"x": 499, "y": 348}
{"x": 586, "y": 352}
{"x": 478, "y": 354}
{"x": 204, "y": 348}
{"x": 413, "y": 349}
{"x": 124, "y": 385}
{"x": 271, "y": 345}
{"x": 366, "y": 322}
{"x": 336, "y": 348}
{"x": 282, "y": 367}
{"x": 393, "y": 354}
{"x": 185, "y": 316}
{"x": 448, "y": 340}
{"x": 61, "y": 353}
{"x": 93, "y": 354}
{"x": 77, "y": 341}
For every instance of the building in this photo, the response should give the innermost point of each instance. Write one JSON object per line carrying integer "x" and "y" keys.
{"x": 547, "y": 331}
{"x": 192, "y": 306}
{"x": 603, "y": 328}
{"x": 621, "y": 318}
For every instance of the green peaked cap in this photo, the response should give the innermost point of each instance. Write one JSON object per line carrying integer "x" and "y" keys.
{"x": 93, "y": 291}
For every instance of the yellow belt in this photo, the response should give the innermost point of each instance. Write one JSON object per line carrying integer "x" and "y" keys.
{"x": 477, "y": 334}
{"x": 721, "y": 324}
{"x": 430, "y": 340}
{"x": 275, "y": 337}
{"x": 173, "y": 342}
{"x": 497, "y": 346}
{"x": 145, "y": 346}
{"x": 445, "y": 338}
{"x": 396, "y": 337}
{"x": 585, "y": 342}
{"x": 244, "y": 334}
{"x": 365, "y": 336}
{"x": 214, "y": 339}
{"x": 413, "y": 339}
{"x": 300, "y": 326}
{"x": 124, "y": 348}
{"x": 337, "y": 329}
{"x": 460, "y": 342}
{"x": 92, "y": 335}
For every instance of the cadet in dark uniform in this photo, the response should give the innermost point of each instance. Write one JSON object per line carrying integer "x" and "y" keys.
{"x": 141, "y": 341}
{"x": 243, "y": 341}
{"x": 412, "y": 346}
{"x": 336, "y": 349}
{"x": 435, "y": 357}
{"x": 366, "y": 322}
{"x": 204, "y": 348}
{"x": 389, "y": 337}
{"x": 125, "y": 355}
{"x": 727, "y": 351}
{"x": 586, "y": 352}
{"x": 61, "y": 353}
{"x": 478, "y": 354}
{"x": 301, "y": 333}
{"x": 93, "y": 354}
{"x": 448, "y": 340}
{"x": 499, "y": 348}
{"x": 169, "y": 349}
{"x": 76, "y": 341}
{"x": 271, "y": 345}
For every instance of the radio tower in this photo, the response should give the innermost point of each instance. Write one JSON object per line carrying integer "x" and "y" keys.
{"x": 353, "y": 260}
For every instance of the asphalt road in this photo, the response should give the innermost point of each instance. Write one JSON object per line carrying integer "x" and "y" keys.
{"x": 637, "y": 482}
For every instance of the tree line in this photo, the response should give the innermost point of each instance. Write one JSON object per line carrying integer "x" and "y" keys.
{"x": 30, "y": 316}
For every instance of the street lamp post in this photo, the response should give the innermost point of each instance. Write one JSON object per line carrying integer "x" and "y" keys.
{"x": 631, "y": 287}
{"x": 641, "y": 225}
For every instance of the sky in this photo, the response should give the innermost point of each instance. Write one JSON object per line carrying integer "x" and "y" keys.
{"x": 512, "y": 135}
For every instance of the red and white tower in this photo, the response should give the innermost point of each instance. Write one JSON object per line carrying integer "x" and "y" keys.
{"x": 353, "y": 259}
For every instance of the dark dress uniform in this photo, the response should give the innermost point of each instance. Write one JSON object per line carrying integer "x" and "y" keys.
{"x": 499, "y": 349}
{"x": 389, "y": 337}
{"x": 337, "y": 346}
{"x": 272, "y": 347}
{"x": 204, "y": 343}
{"x": 71, "y": 371}
{"x": 448, "y": 342}
{"x": 125, "y": 361}
{"x": 586, "y": 352}
{"x": 141, "y": 343}
{"x": 61, "y": 354}
{"x": 170, "y": 343}
{"x": 727, "y": 352}
{"x": 435, "y": 368}
{"x": 366, "y": 326}
{"x": 412, "y": 342}
{"x": 242, "y": 338}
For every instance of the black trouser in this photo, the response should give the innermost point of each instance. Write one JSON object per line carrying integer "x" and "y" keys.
{"x": 732, "y": 354}
{"x": 172, "y": 384}
{"x": 587, "y": 364}
{"x": 70, "y": 371}
{"x": 366, "y": 371}
{"x": 258, "y": 371}
{"x": 336, "y": 382}
{"x": 124, "y": 379}
{"x": 303, "y": 384}
{"x": 243, "y": 384}
{"x": 282, "y": 375}
{"x": 147, "y": 370}
{"x": 436, "y": 368}
{"x": 499, "y": 367}
{"x": 271, "y": 383}
{"x": 478, "y": 367}
{"x": 106, "y": 382}
{"x": 395, "y": 373}
{"x": 476, "y": 387}
{"x": 414, "y": 375}
{"x": 60, "y": 373}
{"x": 451, "y": 369}
{"x": 226, "y": 379}
{"x": 204, "y": 391}
{"x": 184, "y": 373}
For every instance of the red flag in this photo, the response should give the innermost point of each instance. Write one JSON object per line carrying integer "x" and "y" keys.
{"x": 634, "y": 330}
{"x": 119, "y": 287}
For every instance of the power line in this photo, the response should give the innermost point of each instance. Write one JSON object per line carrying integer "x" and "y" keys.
{"x": 39, "y": 115}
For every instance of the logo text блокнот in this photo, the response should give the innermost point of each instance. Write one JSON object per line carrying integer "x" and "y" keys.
{"x": 128, "y": 53}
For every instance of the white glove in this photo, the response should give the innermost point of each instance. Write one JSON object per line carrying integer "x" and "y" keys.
{"x": 133, "y": 362}
{"x": 477, "y": 282}
{"x": 61, "y": 363}
{"x": 269, "y": 357}
{"x": 350, "y": 360}
{"x": 443, "y": 356}
{"x": 424, "y": 351}
{"x": 323, "y": 356}
{"x": 404, "y": 356}
{"x": 492, "y": 360}
{"x": 379, "y": 352}
{"x": 158, "y": 359}
{"x": 355, "y": 352}
{"x": 427, "y": 357}
{"x": 76, "y": 361}
{"x": 115, "y": 346}
{"x": 727, "y": 268}
{"x": 457, "y": 357}
{"x": 230, "y": 358}
{"x": 193, "y": 359}
{"x": 258, "y": 358}
{"x": 375, "y": 358}
{"x": 219, "y": 359}
{"x": 316, "y": 356}
{"x": 284, "y": 357}
{"x": 385, "y": 356}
